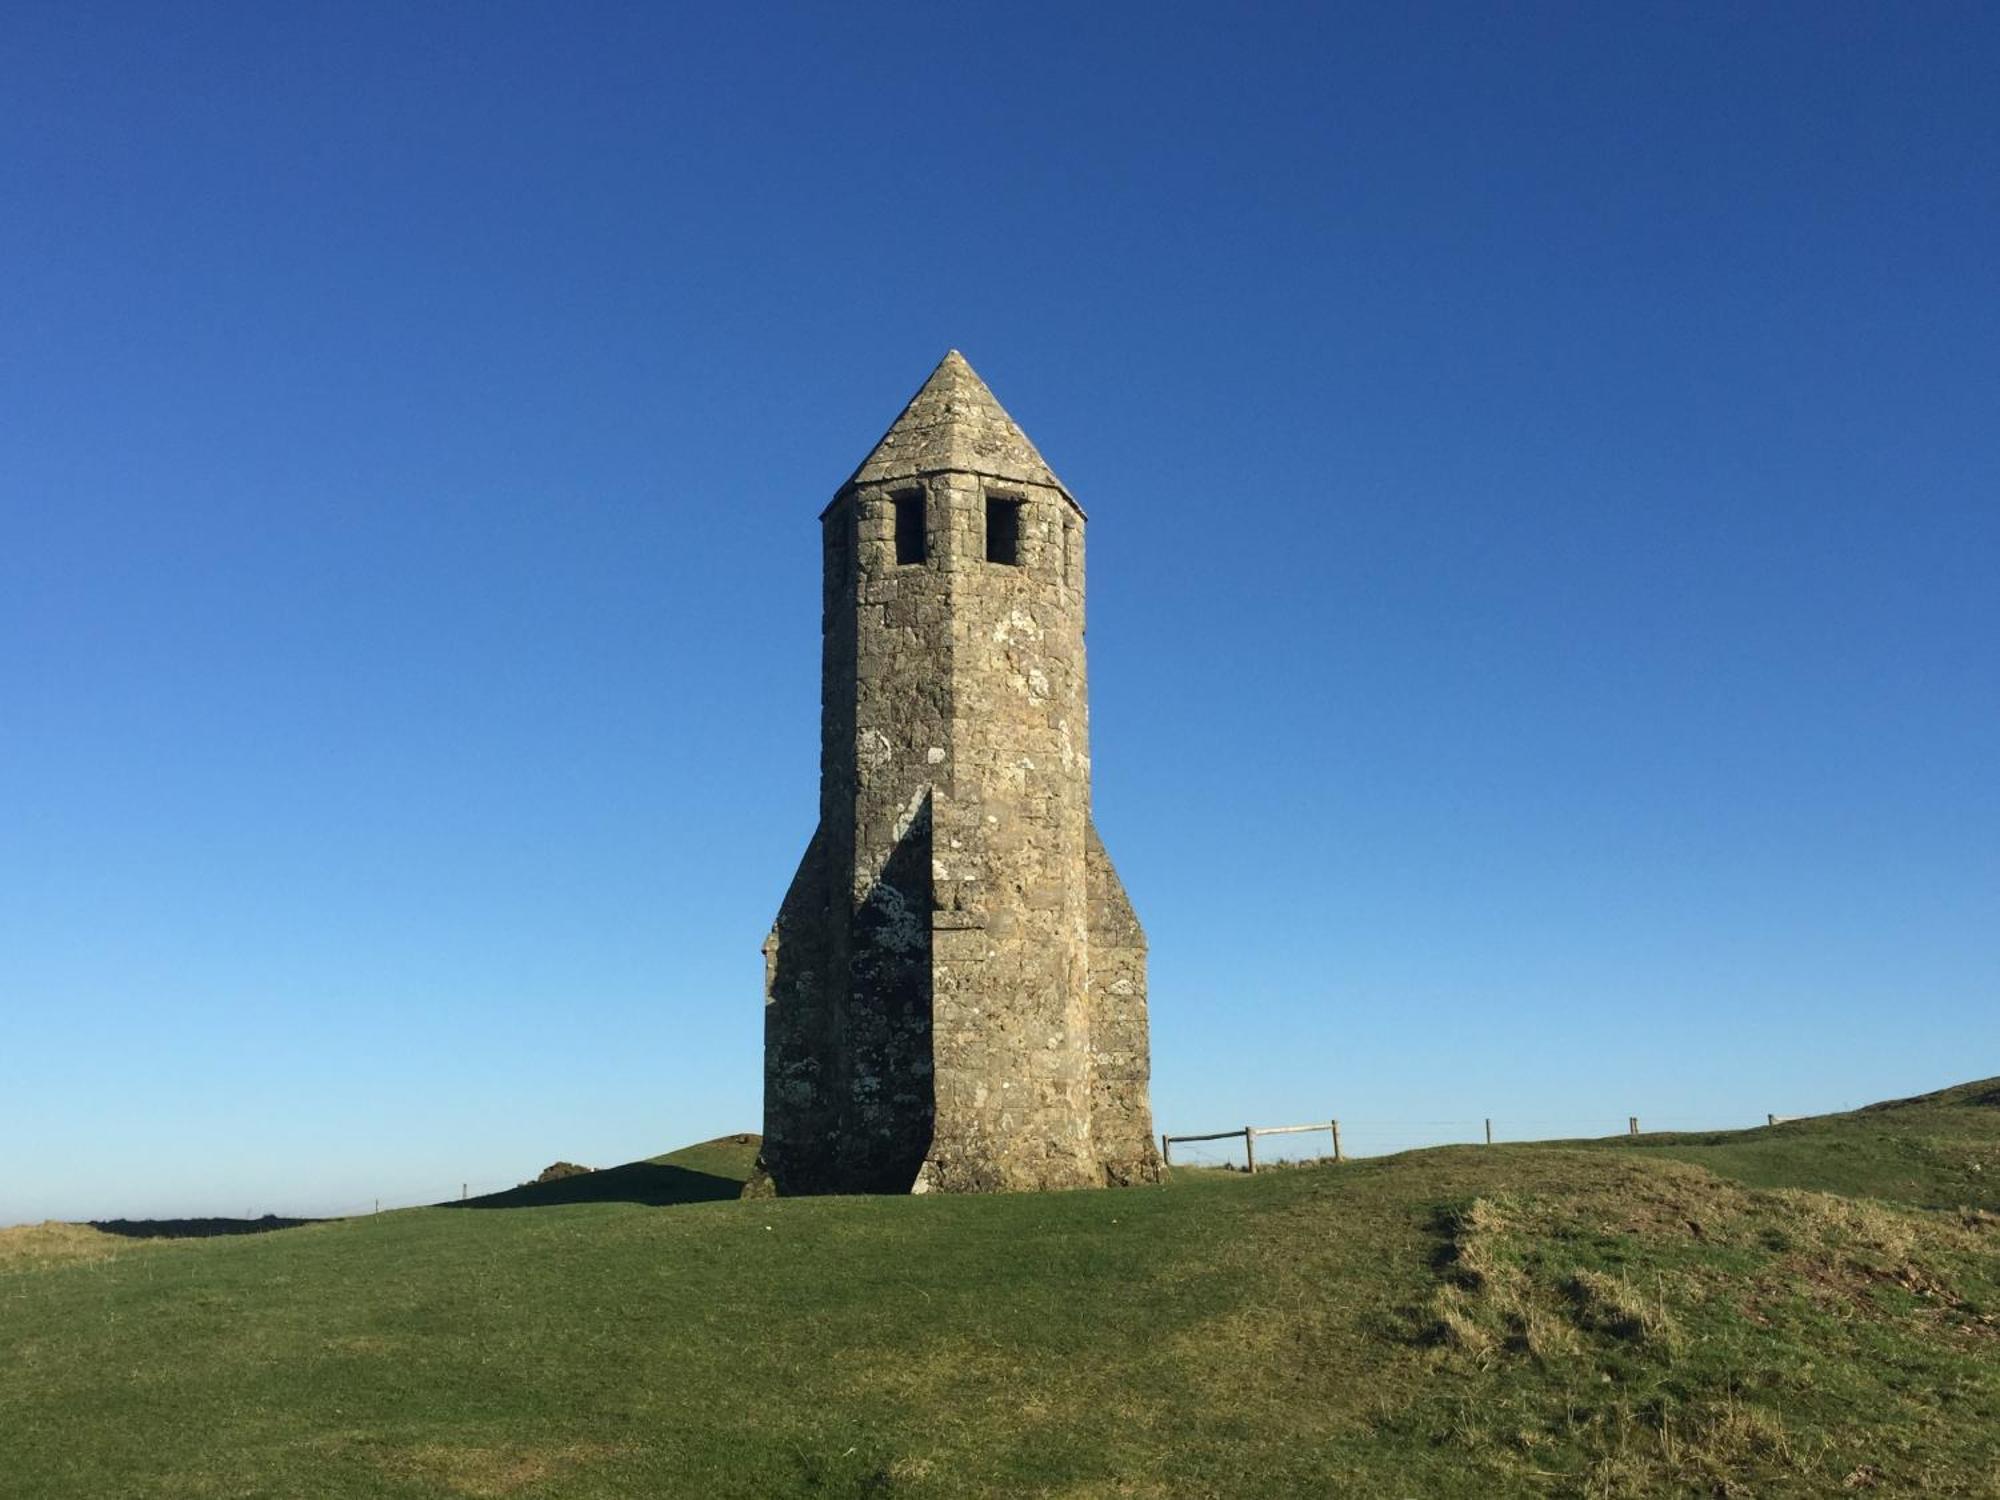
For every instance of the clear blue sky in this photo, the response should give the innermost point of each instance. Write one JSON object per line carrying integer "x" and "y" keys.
{"x": 1544, "y": 475}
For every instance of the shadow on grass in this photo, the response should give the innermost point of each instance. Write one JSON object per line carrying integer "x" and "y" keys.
{"x": 194, "y": 1229}
{"x": 651, "y": 1184}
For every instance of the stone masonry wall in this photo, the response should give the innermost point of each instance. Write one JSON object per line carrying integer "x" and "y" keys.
{"x": 1011, "y": 941}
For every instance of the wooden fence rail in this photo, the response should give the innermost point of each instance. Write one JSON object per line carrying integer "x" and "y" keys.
{"x": 1249, "y": 1133}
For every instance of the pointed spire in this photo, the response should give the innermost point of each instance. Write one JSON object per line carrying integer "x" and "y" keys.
{"x": 954, "y": 423}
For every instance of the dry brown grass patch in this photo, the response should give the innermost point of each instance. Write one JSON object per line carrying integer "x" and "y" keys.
{"x": 1487, "y": 1301}
{"x": 36, "y": 1247}
{"x": 365, "y": 1344}
{"x": 485, "y": 1472}
{"x": 1456, "y": 1323}
{"x": 1610, "y": 1304}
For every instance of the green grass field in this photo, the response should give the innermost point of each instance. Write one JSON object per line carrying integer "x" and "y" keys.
{"x": 1812, "y": 1309}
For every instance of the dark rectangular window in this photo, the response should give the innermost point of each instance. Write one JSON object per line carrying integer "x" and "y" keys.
{"x": 910, "y": 527}
{"x": 1003, "y": 530}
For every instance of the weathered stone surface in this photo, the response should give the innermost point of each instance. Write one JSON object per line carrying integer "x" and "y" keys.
{"x": 955, "y": 986}
{"x": 953, "y": 424}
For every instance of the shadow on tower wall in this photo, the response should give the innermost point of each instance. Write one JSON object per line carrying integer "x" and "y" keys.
{"x": 849, "y": 1098}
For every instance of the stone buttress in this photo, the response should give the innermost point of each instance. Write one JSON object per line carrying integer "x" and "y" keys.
{"x": 955, "y": 987}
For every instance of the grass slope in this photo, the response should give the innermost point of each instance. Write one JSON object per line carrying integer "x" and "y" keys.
{"x": 711, "y": 1171}
{"x": 1936, "y": 1150}
{"x": 1685, "y": 1314}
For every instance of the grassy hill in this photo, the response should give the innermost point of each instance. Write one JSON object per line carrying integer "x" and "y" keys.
{"x": 1812, "y": 1309}
{"x": 710, "y": 1172}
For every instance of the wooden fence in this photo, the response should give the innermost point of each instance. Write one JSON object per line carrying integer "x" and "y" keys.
{"x": 1249, "y": 1133}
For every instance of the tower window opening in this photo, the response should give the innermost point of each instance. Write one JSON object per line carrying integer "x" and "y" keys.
{"x": 910, "y": 527}
{"x": 1003, "y": 530}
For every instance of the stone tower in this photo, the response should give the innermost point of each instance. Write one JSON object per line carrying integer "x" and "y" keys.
{"x": 955, "y": 987}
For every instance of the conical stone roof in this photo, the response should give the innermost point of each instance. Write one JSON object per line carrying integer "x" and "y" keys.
{"x": 954, "y": 423}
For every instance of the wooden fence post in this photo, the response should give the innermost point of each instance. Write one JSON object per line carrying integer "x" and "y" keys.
{"x": 1336, "y": 1142}
{"x": 1489, "y": 1131}
{"x": 1250, "y": 1146}
{"x": 1166, "y": 1150}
